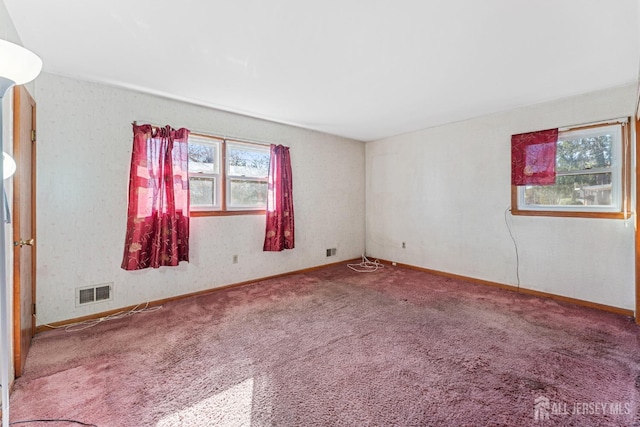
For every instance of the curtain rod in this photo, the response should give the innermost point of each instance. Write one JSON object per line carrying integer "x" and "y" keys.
{"x": 212, "y": 135}
{"x": 230, "y": 138}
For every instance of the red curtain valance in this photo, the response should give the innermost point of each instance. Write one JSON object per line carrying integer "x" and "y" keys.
{"x": 533, "y": 157}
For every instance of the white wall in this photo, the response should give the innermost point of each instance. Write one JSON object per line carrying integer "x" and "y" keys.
{"x": 83, "y": 157}
{"x": 444, "y": 192}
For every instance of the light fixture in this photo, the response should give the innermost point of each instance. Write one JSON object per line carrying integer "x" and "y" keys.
{"x": 17, "y": 66}
{"x": 8, "y": 166}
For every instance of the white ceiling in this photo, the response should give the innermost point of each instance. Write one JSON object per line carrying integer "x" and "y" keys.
{"x": 364, "y": 69}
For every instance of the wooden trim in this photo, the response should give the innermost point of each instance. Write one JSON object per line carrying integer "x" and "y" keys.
{"x": 572, "y": 214}
{"x": 589, "y": 304}
{"x": 257, "y": 144}
{"x": 34, "y": 231}
{"x": 42, "y": 328}
{"x": 637, "y": 245}
{"x": 602, "y": 307}
{"x": 204, "y": 135}
{"x": 625, "y": 181}
{"x": 626, "y": 170}
{"x": 22, "y": 98}
{"x": 16, "y": 220}
{"x": 620, "y": 121}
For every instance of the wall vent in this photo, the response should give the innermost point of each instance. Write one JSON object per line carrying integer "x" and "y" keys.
{"x": 94, "y": 294}
{"x": 331, "y": 252}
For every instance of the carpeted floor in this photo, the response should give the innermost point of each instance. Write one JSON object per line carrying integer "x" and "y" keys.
{"x": 337, "y": 348}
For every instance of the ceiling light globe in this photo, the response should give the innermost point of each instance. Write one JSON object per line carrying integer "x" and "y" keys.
{"x": 8, "y": 165}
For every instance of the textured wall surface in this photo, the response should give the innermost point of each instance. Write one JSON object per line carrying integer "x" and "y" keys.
{"x": 444, "y": 192}
{"x": 84, "y": 151}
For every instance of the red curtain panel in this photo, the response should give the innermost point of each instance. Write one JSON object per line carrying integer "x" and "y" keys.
{"x": 280, "y": 225}
{"x": 533, "y": 157}
{"x": 158, "y": 214}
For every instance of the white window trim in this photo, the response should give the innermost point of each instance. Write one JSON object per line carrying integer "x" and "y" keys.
{"x": 217, "y": 143}
{"x": 223, "y": 179}
{"x": 260, "y": 148}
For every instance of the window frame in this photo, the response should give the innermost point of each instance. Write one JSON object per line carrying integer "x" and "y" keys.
{"x": 621, "y": 174}
{"x": 219, "y": 144}
{"x": 230, "y": 143}
{"x": 222, "y": 208}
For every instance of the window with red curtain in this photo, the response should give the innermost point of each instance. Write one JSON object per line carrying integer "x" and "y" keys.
{"x": 280, "y": 225}
{"x": 533, "y": 157}
{"x": 158, "y": 214}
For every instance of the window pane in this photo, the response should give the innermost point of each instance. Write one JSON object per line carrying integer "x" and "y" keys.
{"x": 247, "y": 194}
{"x": 248, "y": 161}
{"x": 584, "y": 152}
{"x": 203, "y": 191}
{"x": 203, "y": 158}
{"x": 577, "y": 190}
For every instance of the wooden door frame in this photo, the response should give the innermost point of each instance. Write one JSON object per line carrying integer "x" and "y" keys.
{"x": 637, "y": 203}
{"x": 21, "y": 95}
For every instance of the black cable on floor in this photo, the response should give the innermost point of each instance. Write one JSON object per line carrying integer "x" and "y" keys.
{"x": 60, "y": 420}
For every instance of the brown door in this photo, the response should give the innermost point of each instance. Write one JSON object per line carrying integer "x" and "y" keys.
{"x": 637, "y": 211}
{"x": 24, "y": 230}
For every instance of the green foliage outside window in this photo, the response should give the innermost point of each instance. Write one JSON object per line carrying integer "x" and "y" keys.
{"x": 581, "y": 156}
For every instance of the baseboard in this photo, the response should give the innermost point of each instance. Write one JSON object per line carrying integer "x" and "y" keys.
{"x": 62, "y": 323}
{"x": 603, "y": 307}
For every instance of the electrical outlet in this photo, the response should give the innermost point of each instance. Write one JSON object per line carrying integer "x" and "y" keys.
{"x": 404, "y": 245}
{"x": 235, "y": 259}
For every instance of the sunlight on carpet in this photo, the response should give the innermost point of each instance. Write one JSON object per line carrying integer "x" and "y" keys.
{"x": 229, "y": 408}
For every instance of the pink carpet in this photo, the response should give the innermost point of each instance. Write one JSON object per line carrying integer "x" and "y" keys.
{"x": 337, "y": 348}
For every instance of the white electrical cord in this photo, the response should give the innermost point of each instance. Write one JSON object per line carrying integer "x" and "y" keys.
{"x": 366, "y": 266}
{"x": 515, "y": 245}
{"x": 79, "y": 326}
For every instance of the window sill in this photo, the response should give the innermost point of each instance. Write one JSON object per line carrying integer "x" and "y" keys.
{"x": 228, "y": 213}
{"x": 573, "y": 214}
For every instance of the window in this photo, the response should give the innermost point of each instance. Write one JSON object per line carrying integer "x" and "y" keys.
{"x": 204, "y": 172}
{"x": 592, "y": 176}
{"x": 227, "y": 177}
{"x": 247, "y": 173}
